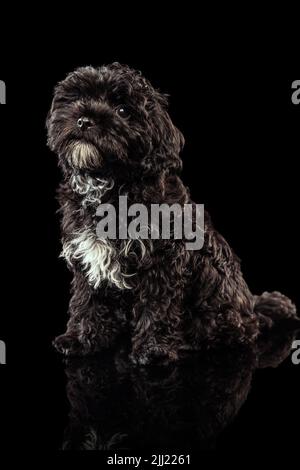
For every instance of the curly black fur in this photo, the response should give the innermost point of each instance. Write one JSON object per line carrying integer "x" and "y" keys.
{"x": 165, "y": 298}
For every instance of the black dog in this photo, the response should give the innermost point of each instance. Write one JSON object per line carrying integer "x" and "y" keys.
{"x": 113, "y": 135}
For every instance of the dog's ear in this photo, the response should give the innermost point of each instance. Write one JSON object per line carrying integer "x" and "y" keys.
{"x": 48, "y": 120}
{"x": 48, "y": 128}
{"x": 166, "y": 140}
{"x": 49, "y": 123}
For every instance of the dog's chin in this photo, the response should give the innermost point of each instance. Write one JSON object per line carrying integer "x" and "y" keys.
{"x": 84, "y": 156}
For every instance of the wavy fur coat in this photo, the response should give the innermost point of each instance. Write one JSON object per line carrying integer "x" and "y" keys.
{"x": 114, "y": 136}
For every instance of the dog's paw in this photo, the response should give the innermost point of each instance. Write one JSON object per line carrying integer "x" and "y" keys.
{"x": 70, "y": 346}
{"x": 153, "y": 355}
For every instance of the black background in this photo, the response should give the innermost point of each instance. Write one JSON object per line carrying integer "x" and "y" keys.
{"x": 240, "y": 160}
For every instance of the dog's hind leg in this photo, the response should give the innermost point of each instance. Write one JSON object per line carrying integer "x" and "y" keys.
{"x": 278, "y": 322}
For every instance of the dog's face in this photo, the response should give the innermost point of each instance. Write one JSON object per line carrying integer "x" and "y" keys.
{"x": 112, "y": 118}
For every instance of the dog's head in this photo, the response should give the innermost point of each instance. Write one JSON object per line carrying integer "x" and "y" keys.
{"x": 111, "y": 117}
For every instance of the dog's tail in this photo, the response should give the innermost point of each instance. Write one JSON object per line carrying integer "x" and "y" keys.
{"x": 278, "y": 322}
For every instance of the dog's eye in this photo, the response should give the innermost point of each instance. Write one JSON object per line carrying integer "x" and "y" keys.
{"x": 122, "y": 111}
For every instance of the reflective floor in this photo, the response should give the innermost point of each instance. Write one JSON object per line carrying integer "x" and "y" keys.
{"x": 218, "y": 400}
{"x": 116, "y": 406}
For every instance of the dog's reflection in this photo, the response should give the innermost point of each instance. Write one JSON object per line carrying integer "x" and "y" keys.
{"x": 115, "y": 406}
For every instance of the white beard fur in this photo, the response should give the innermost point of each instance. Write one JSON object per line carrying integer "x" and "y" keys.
{"x": 83, "y": 155}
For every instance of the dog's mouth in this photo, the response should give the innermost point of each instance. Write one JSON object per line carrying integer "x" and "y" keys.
{"x": 84, "y": 155}
{"x": 93, "y": 152}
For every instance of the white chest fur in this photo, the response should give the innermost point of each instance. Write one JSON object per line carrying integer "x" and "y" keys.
{"x": 97, "y": 257}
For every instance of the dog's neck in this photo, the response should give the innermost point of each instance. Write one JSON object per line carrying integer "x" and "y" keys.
{"x": 91, "y": 189}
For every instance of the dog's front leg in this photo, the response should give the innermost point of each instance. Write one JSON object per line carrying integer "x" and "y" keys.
{"x": 157, "y": 319}
{"x": 91, "y": 326}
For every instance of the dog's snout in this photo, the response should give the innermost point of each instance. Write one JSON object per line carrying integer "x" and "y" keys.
{"x": 85, "y": 123}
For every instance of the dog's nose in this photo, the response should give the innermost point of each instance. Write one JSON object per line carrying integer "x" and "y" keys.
{"x": 85, "y": 123}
